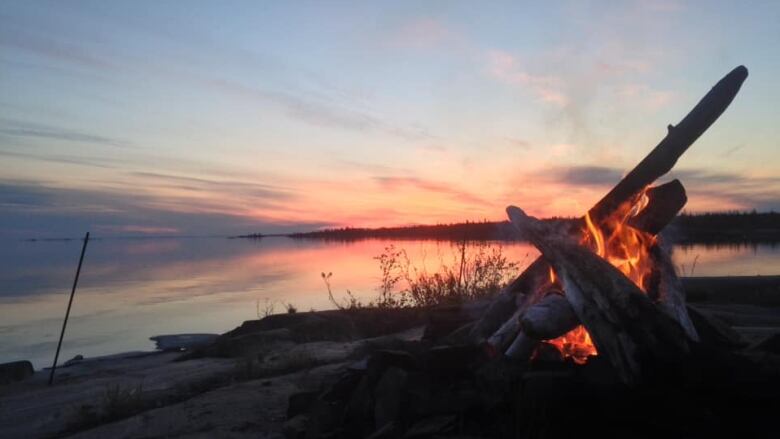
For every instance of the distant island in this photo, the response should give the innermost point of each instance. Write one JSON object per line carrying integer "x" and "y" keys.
{"x": 715, "y": 227}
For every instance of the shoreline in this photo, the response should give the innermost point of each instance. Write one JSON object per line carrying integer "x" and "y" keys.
{"x": 240, "y": 383}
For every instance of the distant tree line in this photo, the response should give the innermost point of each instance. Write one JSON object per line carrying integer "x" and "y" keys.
{"x": 728, "y": 227}
{"x": 718, "y": 227}
{"x": 472, "y": 231}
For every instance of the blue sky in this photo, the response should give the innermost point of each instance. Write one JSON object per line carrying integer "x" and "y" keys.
{"x": 230, "y": 117}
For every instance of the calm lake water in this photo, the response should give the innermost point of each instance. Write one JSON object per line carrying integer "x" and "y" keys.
{"x": 132, "y": 289}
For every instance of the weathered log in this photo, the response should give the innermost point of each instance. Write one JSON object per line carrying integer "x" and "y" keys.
{"x": 670, "y": 291}
{"x": 665, "y": 202}
{"x": 549, "y": 318}
{"x": 623, "y": 322}
{"x": 660, "y": 161}
{"x": 664, "y": 156}
{"x": 515, "y": 295}
{"x": 715, "y": 332}
{"x": 522, "y": 347}
{"x": 506, "y": 333}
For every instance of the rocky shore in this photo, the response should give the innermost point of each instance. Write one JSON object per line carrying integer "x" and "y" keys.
{"x": 264, "y": 378}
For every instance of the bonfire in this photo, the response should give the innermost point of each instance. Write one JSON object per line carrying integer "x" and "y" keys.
{"x": 594, "y": 337}
{"x": 607, "y": 286}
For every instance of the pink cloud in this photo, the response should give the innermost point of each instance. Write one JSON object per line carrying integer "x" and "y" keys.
{"x": 646, "y": 96}
{"x": 423, "y": 33}
{"x": 507, "y": 69}
{"x": 405, "y": 183}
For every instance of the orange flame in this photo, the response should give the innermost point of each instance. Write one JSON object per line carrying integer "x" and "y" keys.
{"x": 575, "y": 344}
{"x": 623, "y": 246}
{"x": 553, "y": 277}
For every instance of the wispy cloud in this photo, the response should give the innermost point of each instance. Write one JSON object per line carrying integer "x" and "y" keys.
{"x": 708, "y": 190}
{"x": 580, "y": 175}
{"x": 314, "y": 112}
{"x": 448, "y": 190}
{"x": 34, "y": 208}
{"x": 60, "y": 158}
{"x": 22, "y": 129}
{"x": 19, "y": 38}
{"x": 507, "y": 68}
{"x": 424, "y": 33}
{"x": 229, "y": 186}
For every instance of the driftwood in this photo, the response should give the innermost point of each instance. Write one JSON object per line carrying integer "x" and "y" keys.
{"x": 664, "y": 203}
{"x": 657, "y": 163}
{"x": 522, "y": 347}
{"x": 623, "y": 322}
{"x": 510, "y": 305}
{"x": 670, "y": 291}
{"x": 664, "y": 156}
{"x": 550, "y": 318}
{"x": 500, "y": 339}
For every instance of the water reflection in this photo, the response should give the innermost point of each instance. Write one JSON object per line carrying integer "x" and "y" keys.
{"x": 131, "y": 289}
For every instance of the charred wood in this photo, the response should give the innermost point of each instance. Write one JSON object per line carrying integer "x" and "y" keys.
{"x": 663, "y": 204}
{"x": 549, "y": 318}
{"x": 664, "y": 156}
{"x": 623, "y": 322}
{"x": 660, "y": 161}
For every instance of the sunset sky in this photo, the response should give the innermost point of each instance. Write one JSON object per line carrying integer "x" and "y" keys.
{"x": 173, "y": 117}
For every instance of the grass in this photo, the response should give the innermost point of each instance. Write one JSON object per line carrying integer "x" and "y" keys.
{"x": 117, "y": 402}
{"x": 477, "y": 271}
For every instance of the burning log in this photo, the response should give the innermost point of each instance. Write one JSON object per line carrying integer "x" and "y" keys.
{"x": 550, "y": 318}
{"x": 670, "y": 291}
{"x": 657, "y": 163}
{"x": 664, "y": 156}
{"x": 664, "y": 202}
{"x": 531, "y": 282}
{"x": 623, "y": 321}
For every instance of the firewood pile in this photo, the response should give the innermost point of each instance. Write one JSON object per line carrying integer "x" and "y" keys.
{"x": 593, "y": 338}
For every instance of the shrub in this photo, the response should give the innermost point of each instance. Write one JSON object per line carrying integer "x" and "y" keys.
{"x": 478, "y": 271}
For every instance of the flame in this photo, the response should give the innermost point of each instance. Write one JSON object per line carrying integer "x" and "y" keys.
{"x": 553, "y": 277}
{"x": 626, "y": 248}
{"x": 623, "y": 246}
{"x": 575, "y": 344}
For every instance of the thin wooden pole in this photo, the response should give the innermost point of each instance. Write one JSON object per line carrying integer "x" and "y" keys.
{"x": 67, "y": 313}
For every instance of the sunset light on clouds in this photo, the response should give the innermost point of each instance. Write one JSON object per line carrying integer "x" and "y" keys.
{"x": 130, "y": 118}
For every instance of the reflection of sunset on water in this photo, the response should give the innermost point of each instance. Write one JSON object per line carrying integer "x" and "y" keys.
{"x": 133, "y": 289}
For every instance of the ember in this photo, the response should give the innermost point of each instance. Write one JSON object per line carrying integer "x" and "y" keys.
{"x": 576, "y": 344}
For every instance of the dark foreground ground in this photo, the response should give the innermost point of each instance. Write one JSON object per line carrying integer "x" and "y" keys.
{"x": 395, "y": 373}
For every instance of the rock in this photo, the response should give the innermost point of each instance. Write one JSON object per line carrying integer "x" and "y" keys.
{"x": 74, "y": 360}
{"x": 428, "y": 427}
{"x": 388, "y": 395}
{"x": 381, "y": 360}
{"x": 179, "y": 342}
{"x": 358, "y": 416}
{"x": 769, "y": 344}
{"x": 15, "y": 371}
{"x": 299, "y": 403}
{"x": 295, "y": 428}
{"x": 453, "y": 358}
{"x": 544, "y": 403}
{"x": 547, "y": 353}
{"x": 714, "y": 331}
{"x": 443, "y": 321}
{"x": 389, "y": 431}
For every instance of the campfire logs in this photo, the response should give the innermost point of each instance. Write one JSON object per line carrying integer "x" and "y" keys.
{"x": 632, "y": 313}
{"x": 604, "y": 283}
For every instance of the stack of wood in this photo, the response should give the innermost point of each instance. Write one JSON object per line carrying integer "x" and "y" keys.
{"x": 632, "y": 328}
